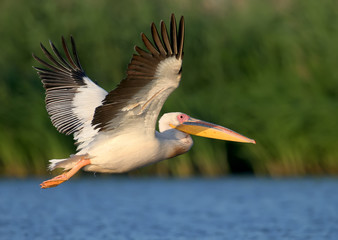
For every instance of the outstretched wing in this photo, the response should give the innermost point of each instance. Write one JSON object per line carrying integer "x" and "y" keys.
{"x": 71, "y": 97}
{"x": 151, "y": 77}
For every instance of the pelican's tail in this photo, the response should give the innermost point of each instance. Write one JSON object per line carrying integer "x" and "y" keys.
{"x": 66, "y": 163}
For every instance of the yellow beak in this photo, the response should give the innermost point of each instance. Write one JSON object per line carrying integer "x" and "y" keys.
{"x": 204, "y": 129}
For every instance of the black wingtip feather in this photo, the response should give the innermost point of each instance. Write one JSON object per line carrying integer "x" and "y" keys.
{"x": 165, "y": 38}
{"x": 58, "y": 55}
{"x": 69, "y": 57}
{"x": 75, "y": 53}
{"x": 173, "y": 34}
{"x": 157, "y": 40}
{"x": 149, "y": 45}
{"x": 181, "y": 38}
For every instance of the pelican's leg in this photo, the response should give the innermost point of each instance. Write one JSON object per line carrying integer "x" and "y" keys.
{"x": 65, "y": 176}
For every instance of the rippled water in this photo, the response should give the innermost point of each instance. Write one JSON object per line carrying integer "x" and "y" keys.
{"x": 143, "y": 208}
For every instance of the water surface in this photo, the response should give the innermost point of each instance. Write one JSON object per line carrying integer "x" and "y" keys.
{"x": 154, "y": 208}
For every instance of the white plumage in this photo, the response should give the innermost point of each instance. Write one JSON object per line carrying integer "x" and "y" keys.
{"x": 85, "y": 101}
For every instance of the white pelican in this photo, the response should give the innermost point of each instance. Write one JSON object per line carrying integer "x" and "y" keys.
{"x": 115, "y": 132}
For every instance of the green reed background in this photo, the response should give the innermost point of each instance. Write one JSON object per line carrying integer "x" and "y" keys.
{"x": 267, "y": 69}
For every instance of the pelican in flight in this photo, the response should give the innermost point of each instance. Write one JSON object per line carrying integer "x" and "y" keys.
{"x": 115, "y": 132}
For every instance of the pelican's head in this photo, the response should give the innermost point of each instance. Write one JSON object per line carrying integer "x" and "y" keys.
{"x": 186, "y": 124}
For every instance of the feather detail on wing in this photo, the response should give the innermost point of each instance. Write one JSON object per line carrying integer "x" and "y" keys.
{"x": 151, "y": 77}
{"x": 71, "y": 97}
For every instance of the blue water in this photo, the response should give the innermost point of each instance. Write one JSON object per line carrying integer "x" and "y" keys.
{"x": 153, "y": 208}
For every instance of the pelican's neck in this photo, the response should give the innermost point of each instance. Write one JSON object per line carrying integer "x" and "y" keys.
{"x": 173, "y": 141}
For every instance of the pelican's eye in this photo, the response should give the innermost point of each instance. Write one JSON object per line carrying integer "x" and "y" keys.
{"x": 182, "y": 118}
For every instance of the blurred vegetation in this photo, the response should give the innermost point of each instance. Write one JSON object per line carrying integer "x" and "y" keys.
{"x": 267, "y": 69}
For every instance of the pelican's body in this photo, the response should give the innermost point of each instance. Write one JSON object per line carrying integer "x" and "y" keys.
{"x": 115, "y": 131}
{"x": 131, "y": 150}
